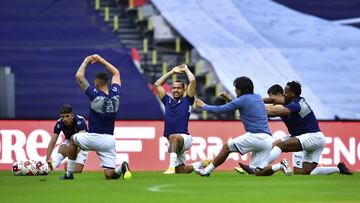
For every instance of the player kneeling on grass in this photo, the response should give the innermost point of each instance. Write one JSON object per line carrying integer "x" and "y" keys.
{"x": 69, "y": 124}
{"x": 257, "y": 138}
{"x": 177, "y": 113}
{"x": 104, "y": 105}
{"x": 276, "y": 96}
{"x": 305, "y": 133}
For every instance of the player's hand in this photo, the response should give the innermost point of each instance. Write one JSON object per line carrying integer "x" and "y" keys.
{"x": 97, "y": 58}
{"x": 89, "y": 60}
{"x": 177, "y": 69}
{"x": 225, "y": 96}
{"x": 183, "y": 67}
{"x": 199, "y": 103}
{"x": 50, "y": 164}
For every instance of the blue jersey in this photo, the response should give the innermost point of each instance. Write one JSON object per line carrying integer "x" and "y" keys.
{"x": 252, "y": 112}
{"x": 177, "y": 113}
{"x": 79, "y": 124}
{"x": 103, "y": 109}
{"x": 301, "y": 119}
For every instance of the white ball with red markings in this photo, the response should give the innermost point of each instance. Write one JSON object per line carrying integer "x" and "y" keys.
{"x": 29, "y": 168}
{"x": 43, "y": 168}
{"x": 16, "y": 168}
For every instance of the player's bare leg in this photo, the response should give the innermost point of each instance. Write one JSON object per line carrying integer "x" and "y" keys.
{"x": 245, "y": 169}
{"x": 290, "y": 145}
{"x": 218, "y": 160}
{"x": 72, "y": 153}
{"x": 78, "y": 167}
{"x": 110, "y": 174}
{"x": 271, "y": 169}
{"x": 176, "y": 142}
{"x": 297, "y": 170}
{"x": 62, "y": 153}
{"x": 308, "y": 167}
{"x": 184, "y": 169}
{"x": 123, "y": 170}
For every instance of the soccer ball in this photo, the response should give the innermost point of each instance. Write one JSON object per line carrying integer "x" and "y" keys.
{"x": 28, "y": 168}
{"x": 16, "y": 168}
{"x": 42, "y": 168}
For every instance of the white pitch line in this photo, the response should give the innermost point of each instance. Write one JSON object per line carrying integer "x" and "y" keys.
{"x": 158, "y": 188}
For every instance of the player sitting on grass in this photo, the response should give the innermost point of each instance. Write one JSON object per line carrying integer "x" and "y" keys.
{"x": 177, "y": 113}
{"x": 257, "y": 138}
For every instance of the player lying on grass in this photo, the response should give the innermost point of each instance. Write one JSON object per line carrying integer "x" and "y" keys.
{"x": 257, "y": 138}
{"x": 69, "y": 124}
{"x": 104, "y": 105}
{"x": 305, "y": 133}
{"x": 177, "y": 113}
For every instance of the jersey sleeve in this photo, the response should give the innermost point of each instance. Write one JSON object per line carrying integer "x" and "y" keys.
{"x": 231, "y": 106}
{"x": 81, "y": 125}
{"x": 115, "y": 88}
{"x": 293, "y": 107}
{"x": 91, "y": 92}
{"x": 190, "y": 99}
{"x": 165, "y": 99}
{"x": 57, "y": 128}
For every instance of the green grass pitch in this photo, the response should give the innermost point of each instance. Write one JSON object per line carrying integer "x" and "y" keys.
{"x": 154, "y": 187}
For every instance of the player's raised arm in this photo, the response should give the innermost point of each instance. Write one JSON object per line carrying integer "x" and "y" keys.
{"x": 159, "y": 83}
{"x": 191, "y": 90}
{"x": 273, "y": 100}
{"x": 277, "y": 110}
{"x": 51, "y": 146}
{"x": 114, "y": 71}
{"x": 80, "y": 74}
{"x": 231, "y": 106}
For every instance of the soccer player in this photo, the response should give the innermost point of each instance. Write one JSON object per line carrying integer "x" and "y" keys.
{"x": 104, "y": 105}
{"x": 276, "y": 96}
{"x": 69, "y": 124}
{"x": 305, "y": 133}
{"x": 257, "y": 138}
{"x": 177, "y": 113}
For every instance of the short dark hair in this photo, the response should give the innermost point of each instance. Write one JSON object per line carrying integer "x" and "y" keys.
{"x": 66, "y": 108}
{"x": 180, "y": 81}
{"x": 103, "y": 77}
{"x": 275, "y": 89}
{"x": 295, "y": 87}
{"x": 244, "y": 84}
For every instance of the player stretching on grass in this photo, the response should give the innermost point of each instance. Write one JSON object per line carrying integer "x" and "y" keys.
{"x": 104, "y": 104}
{"x": 306, "y": 134}
{"x": 257, "y": 138}
{"x": 177, "y": 113}
{"x": 276, "y": 96}
{"x": 69, "y": 124}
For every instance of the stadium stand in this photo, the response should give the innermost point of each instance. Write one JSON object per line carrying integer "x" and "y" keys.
{"x": 45, "y": 41}
{"x": 239, "y": 44}
{"x": 264, "y": 40}
{"x": 334, "y": 10}
{"x": 259, "y": 51}
{"x": 273, "y": 44}
{"x": 142, "y": 28}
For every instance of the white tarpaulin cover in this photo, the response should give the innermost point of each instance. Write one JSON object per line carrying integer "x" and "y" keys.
{"x": 273, "y": 44}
